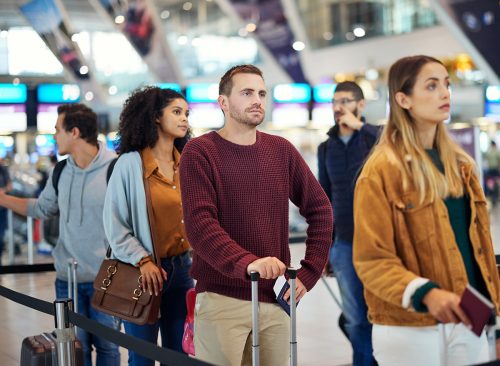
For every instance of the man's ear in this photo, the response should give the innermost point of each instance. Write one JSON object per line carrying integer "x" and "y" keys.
{"x": 222, "y": 100}
{"x": 361, "y": 105}
{"x": 403, "y": 100}
{"x": 75, "y": 132}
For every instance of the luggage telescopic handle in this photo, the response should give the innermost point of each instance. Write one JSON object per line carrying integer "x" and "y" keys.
{"x": 254, "y": 276}
{"x": 292, "y": 274}
{"x": 73, "y": 282}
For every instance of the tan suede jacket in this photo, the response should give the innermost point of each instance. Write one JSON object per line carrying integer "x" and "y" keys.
{"x": 397, "y": 239}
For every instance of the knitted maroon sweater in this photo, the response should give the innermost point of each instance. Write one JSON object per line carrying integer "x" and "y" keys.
{"x": 235, "y": 203}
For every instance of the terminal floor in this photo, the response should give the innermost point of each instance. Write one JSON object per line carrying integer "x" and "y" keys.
{"x": 320, "y": 341}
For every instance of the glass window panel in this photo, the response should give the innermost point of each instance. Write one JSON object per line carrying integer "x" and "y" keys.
{"x": 331, "y": 22}
{"x": 24, "y": 45}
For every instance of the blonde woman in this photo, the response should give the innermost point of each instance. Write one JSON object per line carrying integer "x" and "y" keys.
{"x": 422, "y": 231}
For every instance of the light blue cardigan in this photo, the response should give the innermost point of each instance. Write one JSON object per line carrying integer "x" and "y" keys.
{"x": 125, "y": 213}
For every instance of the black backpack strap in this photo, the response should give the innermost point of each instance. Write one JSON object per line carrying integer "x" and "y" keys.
{"x": 111, "y": 166}
{"x": 56, "y": 174}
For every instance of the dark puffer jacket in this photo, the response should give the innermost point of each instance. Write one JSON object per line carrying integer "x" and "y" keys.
{"x": 338, "y": 166}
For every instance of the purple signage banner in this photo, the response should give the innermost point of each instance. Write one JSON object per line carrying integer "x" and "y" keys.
{"x": 144, "y": 34}
{"x": 46, "y": 19}
{"x": 274, "y": 31}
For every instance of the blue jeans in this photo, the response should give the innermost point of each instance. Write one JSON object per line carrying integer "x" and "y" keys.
{"x": 173, "y": 310}
{"x": 354, "y": 304}
{"x": 107, "y": 352}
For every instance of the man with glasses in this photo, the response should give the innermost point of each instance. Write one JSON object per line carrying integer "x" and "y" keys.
{"x": 339, "y": 160}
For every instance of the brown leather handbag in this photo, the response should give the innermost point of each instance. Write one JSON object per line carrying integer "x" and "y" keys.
{"x": 118, "y": 287}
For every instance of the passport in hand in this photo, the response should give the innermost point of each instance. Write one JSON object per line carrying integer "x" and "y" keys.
{"x": 283, "y": 303}
{"x": 478, "y": 309}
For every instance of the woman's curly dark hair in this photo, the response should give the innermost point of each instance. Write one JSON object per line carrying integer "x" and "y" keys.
{"x": 138, "y": 128}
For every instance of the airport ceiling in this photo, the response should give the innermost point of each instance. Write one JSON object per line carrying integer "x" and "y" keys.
{"x": 82, "y": 14}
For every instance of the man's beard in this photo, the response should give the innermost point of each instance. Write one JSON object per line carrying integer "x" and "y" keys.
{"x": 240, "y": 117}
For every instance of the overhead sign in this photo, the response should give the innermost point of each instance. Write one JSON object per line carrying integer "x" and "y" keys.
{"x": 292, "y": 93}
{"x": 202, "y": 93}
{"x": 58, "y": 93}
{"x": 172, "y": 86}
{"x": 10, "y": 93}
{"x": 323, "y": 93}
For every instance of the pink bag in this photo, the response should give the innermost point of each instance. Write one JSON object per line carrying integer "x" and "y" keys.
{"x": 188, "y": 337}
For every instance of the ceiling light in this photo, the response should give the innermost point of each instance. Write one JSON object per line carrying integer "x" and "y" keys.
{"x": 328, "y": 36}
{"x": 119, "y": 19}
{"x": 84, "y": 70}
{"x": 112, "y": 90}
{"x": 187, "y": 6}
{"x": 298, "y": 45}
{"x": 371, "y": 74}
{"x": 251, "y": 27}
{"x": 350, "y": 36}
{"x": 89, "y": 96}
{"x": 75, "y": 37}
{"x": 182, "y": 40}
{"x": 359, "y": 32}
{"x": 164, "y": 14}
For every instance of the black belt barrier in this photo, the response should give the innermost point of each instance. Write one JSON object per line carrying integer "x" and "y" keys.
{"x": 27, "y": 268}
{"x": 144, "y": 348}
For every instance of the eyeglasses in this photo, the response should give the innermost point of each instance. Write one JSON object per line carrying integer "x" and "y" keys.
{"x": 343, "y": 102}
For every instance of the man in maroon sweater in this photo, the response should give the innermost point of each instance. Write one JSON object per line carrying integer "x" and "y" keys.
{"x": 236, "y": 185}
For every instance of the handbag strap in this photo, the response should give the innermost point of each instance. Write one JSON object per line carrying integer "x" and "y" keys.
{"x": 151, "y": 219}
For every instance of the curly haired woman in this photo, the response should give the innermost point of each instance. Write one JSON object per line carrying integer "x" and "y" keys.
{"x": 152, "y": 132}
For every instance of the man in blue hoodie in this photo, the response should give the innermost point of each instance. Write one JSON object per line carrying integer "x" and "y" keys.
{"x": 339, "y": 160}
{"x": 79, "y": 204}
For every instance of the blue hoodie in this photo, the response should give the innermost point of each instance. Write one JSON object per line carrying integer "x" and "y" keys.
{"x": 79, "y": 205}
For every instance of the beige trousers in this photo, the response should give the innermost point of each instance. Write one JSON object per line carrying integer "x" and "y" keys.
{"x": 223, "y": 331}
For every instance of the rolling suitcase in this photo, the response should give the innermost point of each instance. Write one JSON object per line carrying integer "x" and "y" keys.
{"x": 41, "y": 349}
{"x": 254, "y": 276}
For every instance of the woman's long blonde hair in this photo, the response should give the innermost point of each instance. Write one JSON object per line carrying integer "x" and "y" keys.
{"x": 401, "y": 136}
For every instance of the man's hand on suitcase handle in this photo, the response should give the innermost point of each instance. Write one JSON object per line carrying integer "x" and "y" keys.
{"x": 299, "y": 294}
{"x": 269, "y": 268}
{"x": 444, "y": 306}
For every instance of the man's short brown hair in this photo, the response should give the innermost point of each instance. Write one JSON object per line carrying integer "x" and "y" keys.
{"x": 226, "y": 82}
{"x": 80, "y": 116}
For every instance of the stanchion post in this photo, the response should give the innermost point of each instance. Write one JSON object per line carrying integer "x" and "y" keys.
{"x": 292, "y": 274}
{"x": 10, "y": 235}
{"x": 254, "y": 276}
{"x": 65, "y": 334}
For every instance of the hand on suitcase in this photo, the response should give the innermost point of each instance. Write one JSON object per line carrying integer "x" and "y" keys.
{"x": 444, "y": 306}
{"x": 268, "y": 267}
{"x": 300, "y": 292}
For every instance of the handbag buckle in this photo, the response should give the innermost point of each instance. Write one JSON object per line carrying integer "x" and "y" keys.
{"x": 137, "y": 294}
{"x": 105, "y": 283}
{"x": 111, "y": 270}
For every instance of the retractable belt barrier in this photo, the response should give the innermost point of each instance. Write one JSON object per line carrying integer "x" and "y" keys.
{"x": 27, "y": 268}
{"x": 144, "y": 348}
